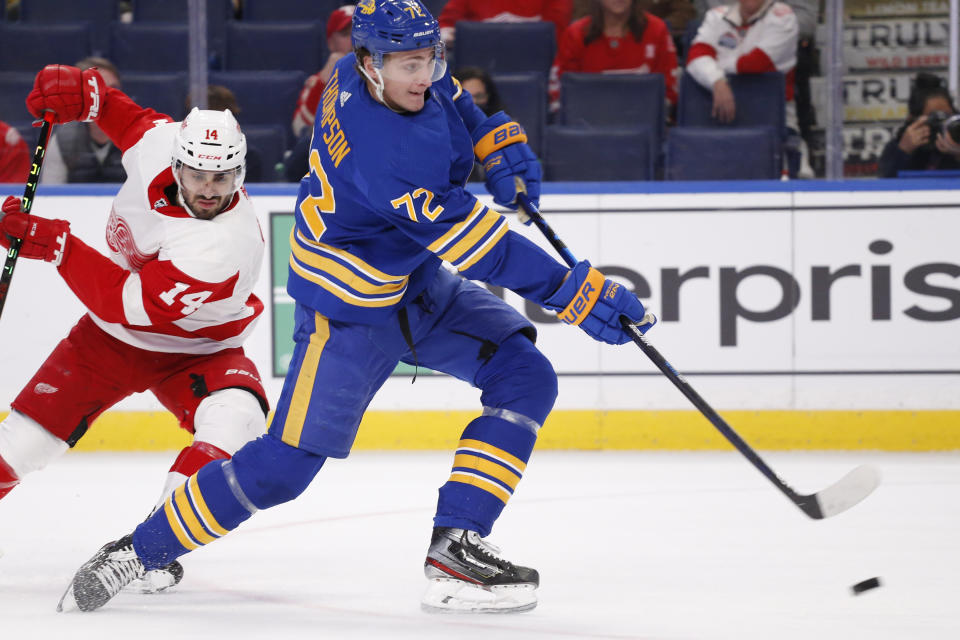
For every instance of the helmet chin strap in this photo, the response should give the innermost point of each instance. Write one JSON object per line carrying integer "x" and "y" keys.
{"x": 379, "y": 86}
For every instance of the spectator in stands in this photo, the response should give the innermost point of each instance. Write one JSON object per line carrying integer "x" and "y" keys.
{"x": 556, "y": 11}
{"x": 481, "y": 88}
{"x": 748, "y": 36}
{"x": 220, "y": 98}
{"x": 14, "y": 155}
{"x": 920, "y": 144}
{"x": 81, "y": 151}
{"x": 618, "y": 36}
{"x": 339, "y": 26}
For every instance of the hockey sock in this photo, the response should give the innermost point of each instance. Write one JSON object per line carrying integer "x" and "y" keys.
{"x": 8, "y": 479}
{"x": 519, "y": 388}
{"x": 489, "y": 462}
{"x": 220, "y": 496}
{"x": 190, "y": 460}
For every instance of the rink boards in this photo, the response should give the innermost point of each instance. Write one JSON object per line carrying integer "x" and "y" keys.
{"x": 811, "y": 315}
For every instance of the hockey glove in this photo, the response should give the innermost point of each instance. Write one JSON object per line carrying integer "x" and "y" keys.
{"x": 42, "y": 239}
{"x": 501, "y": 146}
{"x": 595, "y": 303}
{"x": 71, "y": 94}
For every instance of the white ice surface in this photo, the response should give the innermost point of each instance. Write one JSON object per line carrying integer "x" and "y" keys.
{"x": 629, "y": 545}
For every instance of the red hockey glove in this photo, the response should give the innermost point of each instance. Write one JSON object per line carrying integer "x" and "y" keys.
{"x": 42, "y": 239}
{"x": 69, "y": 93}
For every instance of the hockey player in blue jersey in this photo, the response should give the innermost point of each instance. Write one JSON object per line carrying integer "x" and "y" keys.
{"x": 383, "y": 206}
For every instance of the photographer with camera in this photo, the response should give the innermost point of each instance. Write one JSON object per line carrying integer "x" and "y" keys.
{"x": 930, "y": 138}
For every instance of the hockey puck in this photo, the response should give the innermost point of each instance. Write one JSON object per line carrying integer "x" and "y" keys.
{"x": 866, "y": 585}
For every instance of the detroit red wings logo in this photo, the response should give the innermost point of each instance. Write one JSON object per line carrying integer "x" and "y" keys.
{"x": 120, "y": 240}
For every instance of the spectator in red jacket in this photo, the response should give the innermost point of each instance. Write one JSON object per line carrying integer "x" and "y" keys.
{"x": 556, "y": 11}
{"x": 339, "y": 26}
{"x": 617, "y": 36}
{"x": 14, "y": 155}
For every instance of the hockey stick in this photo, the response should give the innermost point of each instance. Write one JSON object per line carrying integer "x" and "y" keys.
{"x": 25, "y": 205}
{"x": 838, "y": 497}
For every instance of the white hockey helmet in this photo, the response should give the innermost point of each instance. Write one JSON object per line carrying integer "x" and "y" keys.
{"x": 210, "y": 141}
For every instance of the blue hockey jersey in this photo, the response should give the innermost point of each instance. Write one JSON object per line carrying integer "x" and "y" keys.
{"x": 384, "y": 202}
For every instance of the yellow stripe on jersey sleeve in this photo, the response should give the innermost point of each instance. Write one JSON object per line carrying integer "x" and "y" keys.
{"x": 471, "y": 259}
{"x": 455, "y": 230}
{"x": 468, "y": 242}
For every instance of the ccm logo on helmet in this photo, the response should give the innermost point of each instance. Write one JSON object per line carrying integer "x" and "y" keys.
{"x": 204, "y": 156}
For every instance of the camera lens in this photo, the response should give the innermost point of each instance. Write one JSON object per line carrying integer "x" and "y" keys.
{"x": 951, "y": 128}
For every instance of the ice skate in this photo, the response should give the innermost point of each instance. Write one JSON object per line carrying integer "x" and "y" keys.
{"x": 467, "y": 575}
{"x": 103, "y": 576}
{"x": 158, "y": 580}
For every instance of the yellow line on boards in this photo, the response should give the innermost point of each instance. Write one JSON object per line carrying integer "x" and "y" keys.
{"x": 596, "y": 430}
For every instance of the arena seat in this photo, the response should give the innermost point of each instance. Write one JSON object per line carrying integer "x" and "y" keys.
{"x": 722, "y": 153}
{"x": 760, "y": 99}
{"x": 164, "y": 92}
{"x": 434, "y": 6}
{"x": 150, "y": 47}
{"x": 98, "y": 13}
{"x": 289, "y": 10}
{"x": 615, "y": 100}
{"x": 287, "y": 46}
{"x": 219, "y": 12}
{"x": 499, "y": 47}
{"x": 579, "y": 154}
{"x": 268, "y": 142}
{"x": 264, "y": 97}
{"x": 30, "y": 47}
{"x": 524, "y": 98}
{"x": 14, "y": 87}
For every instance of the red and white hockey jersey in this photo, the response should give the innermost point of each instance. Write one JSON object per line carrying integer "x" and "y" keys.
{"x": 173, "y": 283}
{"x": 725, "y": 44}
{"x": 654, "y": 53}
{"x": 556, "y": 11}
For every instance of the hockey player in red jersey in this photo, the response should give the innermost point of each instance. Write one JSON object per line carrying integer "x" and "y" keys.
{"x": 170, "y": 307}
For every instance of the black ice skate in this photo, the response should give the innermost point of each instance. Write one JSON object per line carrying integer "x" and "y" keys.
{"x": 103, "y": 576}
{"x": 467, "y": 574}
{"x": 157, "y": 580}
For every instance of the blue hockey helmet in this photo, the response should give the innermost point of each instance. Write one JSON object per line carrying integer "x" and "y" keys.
{"x": 389, "y": 26}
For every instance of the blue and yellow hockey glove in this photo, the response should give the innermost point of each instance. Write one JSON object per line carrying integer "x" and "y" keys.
{"x": 501, "y": 146}
{"x": 595, "y": 303}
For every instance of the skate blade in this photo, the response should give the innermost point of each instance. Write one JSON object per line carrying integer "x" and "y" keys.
{"x": 456, "y": 596}
{"x": 67, "y": 601}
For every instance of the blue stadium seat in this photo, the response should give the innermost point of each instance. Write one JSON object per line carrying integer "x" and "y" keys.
{"x": 722, "y": 153}
{"x": 289, "y": 10}
{"x": 524, "y": 98}
{"x": 612, "y": 100}
{"x": 177, "y": 12}
{"x": 163, "y": 92}
{"x": 98, "y": 13}
{"x": 434, "y": 6}
{"x": 264, "y": 46}
{"x": 686, "y": 41}
{"x": 268, "y": 143}
{"x": 578, "y": 154}
{"x": 14, "y": 87}
{"x": 264, "y": 97}
{"x": 155, "y": 47}
{"x": 760, "y": 100}
{"x": 499, "y": 47}
{"x": 30, "y": 47}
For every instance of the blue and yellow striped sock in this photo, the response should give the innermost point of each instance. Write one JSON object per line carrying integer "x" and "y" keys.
{"x": 489, "y": 462}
